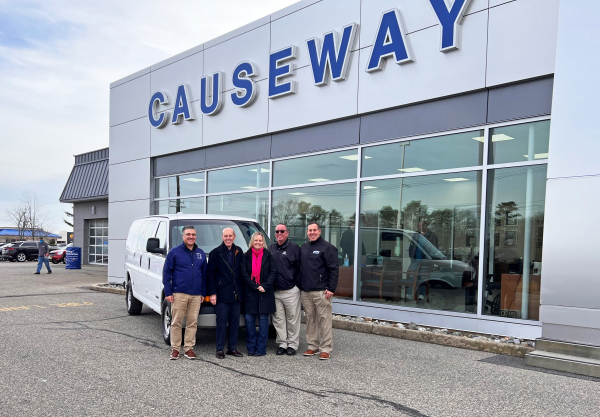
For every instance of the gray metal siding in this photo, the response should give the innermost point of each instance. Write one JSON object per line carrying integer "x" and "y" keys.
{"x": 92, "y": 156}
{"x": 316, "y": 138}
{"x": 239, "y": 152}
{"x": 517, "y": 101}
{"x": 180, "y": 162}
{"x": 87, "y": 181}
{"x": 431, "y": 117}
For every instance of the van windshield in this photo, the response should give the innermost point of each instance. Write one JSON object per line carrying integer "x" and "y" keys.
{"x": 208, "y": 232}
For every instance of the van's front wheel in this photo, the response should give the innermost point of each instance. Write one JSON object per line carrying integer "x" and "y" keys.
{"x": 166, "y": 321}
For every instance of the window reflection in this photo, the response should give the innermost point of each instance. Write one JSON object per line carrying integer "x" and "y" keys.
{"x": 443, "y": 152}
{"x": 419, "y": 239}
{"x": 249, "y": 205}
{"x": 333, "y": 166}
{"x": 333, "y": 208}
{"x": 515, "y": 229}
{"x": 248, "y": 177}
{"x": 518, "y": 143}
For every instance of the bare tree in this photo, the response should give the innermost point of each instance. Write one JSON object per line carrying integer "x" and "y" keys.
{"x": 17, "y": 215}
{"x": 29, "y": 216}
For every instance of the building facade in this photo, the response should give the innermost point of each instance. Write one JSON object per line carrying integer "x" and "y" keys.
{"x": 87, "y": 190}
{"x": 432, "y": 143}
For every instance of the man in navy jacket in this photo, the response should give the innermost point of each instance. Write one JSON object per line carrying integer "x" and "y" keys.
{"x": 225, "y": 289}
{"x": 184, "y": 279}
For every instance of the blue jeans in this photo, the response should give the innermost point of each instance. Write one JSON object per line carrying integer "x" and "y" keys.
{"x": 257, "y": 342}
{"x": 41, "y": 261}
{"x": 227, "y": 313}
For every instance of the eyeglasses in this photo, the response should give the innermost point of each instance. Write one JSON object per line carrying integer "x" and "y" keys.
{"x": 280, "y": 231}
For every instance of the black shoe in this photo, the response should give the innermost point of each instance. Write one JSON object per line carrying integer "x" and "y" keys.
{"x": 220, "y": 355}
{"x": 291, "y": 351}
{"x": 36, "y": 273}
{"x": 281, "y": 351}
{"x": 234, "y": 353}
{"x": 250, "y": 354}
{"x": 49, "y": 272}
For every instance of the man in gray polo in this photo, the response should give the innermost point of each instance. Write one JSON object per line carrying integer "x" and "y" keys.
{"x": 286, "y": 318}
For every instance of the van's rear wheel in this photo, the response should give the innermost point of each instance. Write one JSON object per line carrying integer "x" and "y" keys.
{"x": 134, "y": 306}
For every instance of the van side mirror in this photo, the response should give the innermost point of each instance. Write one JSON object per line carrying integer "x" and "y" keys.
{"x": 153, "y": 246}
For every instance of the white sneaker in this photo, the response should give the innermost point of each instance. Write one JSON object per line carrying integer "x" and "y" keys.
{"x": 421, "y": 297}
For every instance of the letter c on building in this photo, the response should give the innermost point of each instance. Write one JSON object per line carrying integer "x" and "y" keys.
{"x": 157, "y": 99}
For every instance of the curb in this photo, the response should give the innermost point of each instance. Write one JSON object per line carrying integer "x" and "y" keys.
{"x": 436, "y": 338}
{"x": 102, "y": 288}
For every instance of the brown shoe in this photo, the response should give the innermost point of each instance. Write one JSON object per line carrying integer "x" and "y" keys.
{"x": 190, "y": 354}
{"x": 324, "y": 356}
{"x": 310, "y": 352}
{"x": 174, "y": 355}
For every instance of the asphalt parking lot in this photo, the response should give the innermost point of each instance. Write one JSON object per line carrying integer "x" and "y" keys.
{"x": 67, "y": 350}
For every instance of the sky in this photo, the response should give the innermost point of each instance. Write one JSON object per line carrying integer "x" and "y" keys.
{"x": 57, "y": 60}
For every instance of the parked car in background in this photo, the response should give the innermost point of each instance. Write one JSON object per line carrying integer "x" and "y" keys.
{"x": 59, "y": 254}
{"x": 20, "y": 251}
{"x": 2, "y": 259}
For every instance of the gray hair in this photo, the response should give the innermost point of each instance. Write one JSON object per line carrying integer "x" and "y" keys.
{"x": 186, "y": 228}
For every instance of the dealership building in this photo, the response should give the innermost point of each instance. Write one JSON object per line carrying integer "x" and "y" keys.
{"x": 440, "y": 147}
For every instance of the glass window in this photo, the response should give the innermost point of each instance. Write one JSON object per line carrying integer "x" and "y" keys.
{"x": 318, "y": 168}
{"x": 333, "y": 207}
{"x": 443, "y": 152}
{"x": 98, "y": 240}
{"x": 180, "y": 185}
{"x": 248, "y": 177}
{"x": 183, "y": 205}
{"x": 515, "y": 230}
{"x": 161, "y": 234}
{"x": 518, "y": 143}
{"x": 419, "y": 241}
{"x": 249, "y": 205}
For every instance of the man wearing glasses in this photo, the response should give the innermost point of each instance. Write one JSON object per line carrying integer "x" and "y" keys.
{"x": 286, "y": 318}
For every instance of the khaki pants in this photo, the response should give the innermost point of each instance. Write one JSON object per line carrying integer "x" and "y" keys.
{"x": 318, "y": 321}
{"x": 184, "y": 306}
{"x": 286, "y": 318}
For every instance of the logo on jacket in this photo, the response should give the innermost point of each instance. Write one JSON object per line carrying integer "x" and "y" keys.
{"x": 316, "y": 252}
{"x": 284, "y": 252}
{"x": 199, "y": 255}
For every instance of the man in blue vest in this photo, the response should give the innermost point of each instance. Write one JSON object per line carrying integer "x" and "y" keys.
{"x": 184, "y": 279}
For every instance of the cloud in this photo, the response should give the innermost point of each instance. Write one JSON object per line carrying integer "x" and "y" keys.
{"x": 57, "y": 60}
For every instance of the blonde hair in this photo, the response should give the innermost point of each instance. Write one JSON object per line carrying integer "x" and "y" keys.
{"x": 254, "y": 237}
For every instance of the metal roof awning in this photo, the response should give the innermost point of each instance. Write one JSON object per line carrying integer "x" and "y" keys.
{"x": 88, "y": 179}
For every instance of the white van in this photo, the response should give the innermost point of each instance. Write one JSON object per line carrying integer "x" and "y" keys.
{"x": 148, "y": 242}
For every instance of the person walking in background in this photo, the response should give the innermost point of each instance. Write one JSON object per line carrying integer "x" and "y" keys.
{"x": 43, "y": 254}
{"x": 287, "y": 316}
{"x": 225, "y": 286}
{"x": 319, "y": 270}
{"x": 184, "y": 280}
{"x": 259, "y": 272}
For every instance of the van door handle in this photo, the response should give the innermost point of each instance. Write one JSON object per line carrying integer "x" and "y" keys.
{"x": 148, "y": 263}
{"x": 140, "y": 261}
